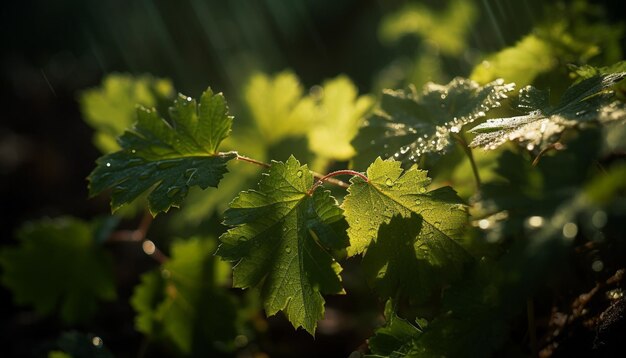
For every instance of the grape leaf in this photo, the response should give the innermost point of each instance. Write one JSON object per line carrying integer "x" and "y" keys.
{"x": 519, "y": 64}
{"x": 395, "y": 339}
{"x": 167, "y": 158}
{"x": 39, "y": 273}
{"x": 183, "y": 302}
{"x": 586, "y": 101}
{"x": 277, "y": 106}
{"x": 566, "y": 36}
{"x": 339, "y": 114}
{"x": 409, "y": 124}
{"x": 448, "y": 29}
{"x": 408, "y": 261}
{"x": 111, "y": 108}
{"x": 390, "y": 191}
{"x": 278, "y": 239}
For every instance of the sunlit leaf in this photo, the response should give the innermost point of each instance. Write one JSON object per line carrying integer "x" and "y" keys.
{"x": 390, "y": 192}
{"x": 409, "y": 124}
{"x": 278, "y": 106}
{"x": 583, "y": 102}
{"x": 447, "y": 29}
{"x": 278, "y": 239}
{"x": 167, "y": 158}
{"x": 339, "y": 114}
{"x": 111, "y": 108}
{"x": 519, "y": 64}
{"x": 59, "y": 266}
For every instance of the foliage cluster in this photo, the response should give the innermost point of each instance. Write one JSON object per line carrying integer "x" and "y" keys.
{"x": 465, "y": 200}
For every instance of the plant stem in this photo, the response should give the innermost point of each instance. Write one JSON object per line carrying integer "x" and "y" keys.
{"x": 139, "y": 235}
{"x": 318, "y": 176}
{"x": 459, "y": 138}
{"x": 557, "y": 146}
{"x": 329, "y": 177}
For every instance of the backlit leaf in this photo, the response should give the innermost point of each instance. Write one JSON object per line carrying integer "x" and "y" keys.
{"x": 409, "y": 124}
{"x": 584, "y": 102}
{"x": 339, "y": 114}
{"x": 167, "y": 157}
{"x": 112, "y": 108}
{"x": 278, "y": 243}
{"x": 390, "y": 192}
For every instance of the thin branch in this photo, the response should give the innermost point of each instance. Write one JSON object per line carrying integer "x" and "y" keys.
{"x": 318, "y": 176}
{"x": 556, "y": 146}
{"x": 253, "y": 161}
{"x": 329, "y": 178}
{"x": 139, "y": 235}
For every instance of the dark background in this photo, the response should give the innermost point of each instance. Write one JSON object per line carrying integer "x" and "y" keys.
{"x": 53, "y": 49}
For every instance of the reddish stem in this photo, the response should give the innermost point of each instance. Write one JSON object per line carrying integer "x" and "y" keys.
{"x": 253, "y": 161}
{"x": 329, "y": 178}
{"x": 336, "y": 182}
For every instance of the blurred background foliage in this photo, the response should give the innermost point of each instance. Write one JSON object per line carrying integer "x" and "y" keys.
{"x": 72, "y": 72}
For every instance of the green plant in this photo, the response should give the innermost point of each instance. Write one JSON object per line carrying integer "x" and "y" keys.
{"x": 455, "y": 272}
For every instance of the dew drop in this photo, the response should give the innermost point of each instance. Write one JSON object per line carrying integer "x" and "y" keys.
{"x": 284, "y": 229}
{"x": 109, "y": 165}
{"x": 389, "y": 182}
{"x": 288, "y": 249}
{"x": 133, "y": 151}
{"x": 299, "y": 173}
{"x": 418, "y": 202}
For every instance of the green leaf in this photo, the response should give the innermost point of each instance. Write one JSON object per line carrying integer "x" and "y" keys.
{"x": 389, "y": 192}
{"x": 571, "y": 33}
{"x": 278, "y": 239}
{"x": 396, "y": 338}
{"x": 111, "y": 108}
{"x": 519, "y": 64}
{"x": 39, "y": 273}
{"x": 583, "y": 102}
{"x": 183, "y": 302}
{"x": 448, "y": 29}
{"x": 409, "y": 124}
{"x": 409, "y": 261}
{"x": 167, "y": 158}
{"x": 278, "y": 106}
{"x": 339, "y": 114}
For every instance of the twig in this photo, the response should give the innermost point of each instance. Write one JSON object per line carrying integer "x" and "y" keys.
{"x": 139, "y": 235}
{"x": 329, "y": 177}
{"x": 318, "y": 176}
{"x": 556, "y": 146}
